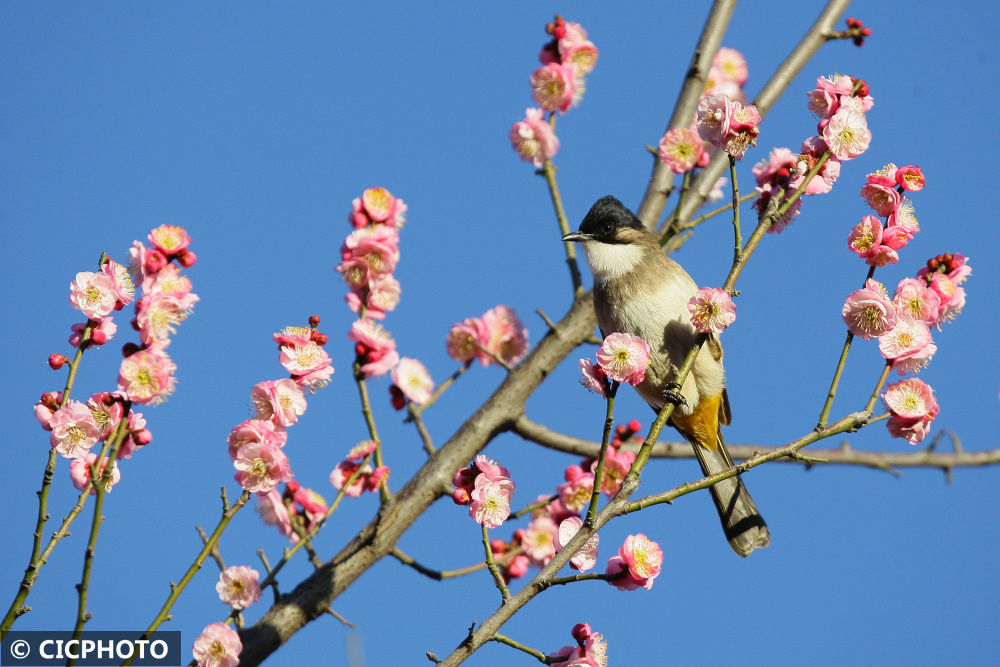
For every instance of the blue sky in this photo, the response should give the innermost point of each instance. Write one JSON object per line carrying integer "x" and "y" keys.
{"x": 254, "y": 126}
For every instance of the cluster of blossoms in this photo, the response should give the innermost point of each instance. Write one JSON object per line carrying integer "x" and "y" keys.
{"x": 712, "y": 310}
{"x": 841, "y": 103}
{"x": 558, "y": 84}
{"x": 638, "y": 563}
{"x": 146, "y": 374}
{"x": 622, "y": 357}
{"x": 878, "y": 245}
{"x": 486, "y": 487}
{"x": 370, "y": 253}
{"x": 356, "y": 464}
{"x": 255, "y": 445}
{"x": 682, "y": 148}
{"x": 591, "y": 650}
{"x": 497, "y": 333}
{"x": 218, "y": 645}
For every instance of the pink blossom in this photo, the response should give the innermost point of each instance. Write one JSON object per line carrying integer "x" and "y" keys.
{"x": 413, "y": 379}
{"x": 896, "y": 237}
{"x": 274, "y": 513}
{"x": 147, "y": 376}
{"x": 261, "y": 466}
{"x": 463, "y": 337}
{"x": 490, "y": 504}
{"x": 138, "y": 435}
{"x": 121, "y": 282}
{"x": 378, "y": 246}
{"x": 865, "y": 237}
{"x": 914, "y": 298}
{"x": 255, "y": 431}
{"x": 378, "y": 203}
{"x": 950, "y": 296}
{"x": 716, "y": 193}
{"x": 586, "y": 557}
{"x": 74, "y": 430}
{"x": 356, "y": 272}
{"x": 712, "y": 118}
{"x": 581, "y": 56}
{"x": 107, "y": 412}
{"x": 239, "y": 586}
{"x": 379, "y": 297}
{"x": 823, "y": 181}
{"x": 518, "y": 566}
{"x": 293, "y": 336}
{"x": 910, "y": 178}
{"x": 505, "y": 335}
{"x": 343, "y": 471}
{"x": 553, "y": 86}
{"x": 218, "y": 645}
{"x": 280, "y": 401}
{"x": 575, "y": 493}
{"x": 616, "y": 466}
{"x": 960, "y": 269}
{"x": 642, "y": 558}
{"x": 136, "y": 265}
{"x": 494, "y": 472}
{"x": 361, "y": 450}
{"x": 914, "y": 430}
{"x": 905, "y": 216}
{"x": 45, "y": 407}
{"x": 539, "y": 540}
{"x": 743, "y": 130}
{"x": 170, "y": 239}
{"x": 106, "y": 326}
{"x": 305, "y": 360}
{"x": 79, "y": 472}
{"x": 868, "y": 312}
{"x": 910, "y": 398}
{"x": 731, "y": 64}
{"x": 93, "y": 294}
{"x": 909, "y": 345}
{"x": 158, "y": 315}
{"x": 847, "y": 134}
{"x": 886, "y": 176}
{"x": 624, "y": 358}
{"x": 533, "y": 139}
{"x": 779, "y": 162}
{"x": 883, "y": 199}
{"x": 680, "y": 148}
{"x": 593, "y": 377}
{"x": 712, "y": 310}
{"x": 882, "y": 255}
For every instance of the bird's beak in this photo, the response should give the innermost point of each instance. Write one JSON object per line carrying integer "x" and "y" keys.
{"x": 577, "y": 236}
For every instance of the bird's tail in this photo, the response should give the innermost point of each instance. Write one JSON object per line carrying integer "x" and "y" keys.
{"x": 744, "y": 526}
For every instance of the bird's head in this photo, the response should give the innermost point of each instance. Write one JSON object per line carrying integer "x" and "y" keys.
{"x": 608, "y": 221}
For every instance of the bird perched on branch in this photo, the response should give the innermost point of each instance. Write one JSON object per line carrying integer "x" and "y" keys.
{"x": 640, "y": 291}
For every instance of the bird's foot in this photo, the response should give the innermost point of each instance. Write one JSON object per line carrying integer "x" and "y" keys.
{"x": 671, "y": 394}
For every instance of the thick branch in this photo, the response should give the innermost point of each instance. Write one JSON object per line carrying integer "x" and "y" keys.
{"x": 843, "y": 455}
{"x": 662, "y": 178}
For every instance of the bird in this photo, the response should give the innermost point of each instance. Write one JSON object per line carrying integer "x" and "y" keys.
{"x": 640, "y": 291}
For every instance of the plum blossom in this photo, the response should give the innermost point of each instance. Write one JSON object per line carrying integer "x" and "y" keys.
{"x": 533, "y": 139}
{"x": 640, "y": 558}
{"x": 74, "y": 430}
{"x": 910, "y": 178}
{"x": 727, "y": 124}
{"x": 909, "y": 345}
{"x": 731, "y": 64}
{"x": 712, "y": 310}
{"x": 413, "y": 380}
{"x": 883, "y": 199}
{"x": 624, "y": 358}
{"x": 586, "y": 557}
{"x": 79, "y": 472}
{"x": 369, "y": 479}
{"x": 506, "y": 336}
{"x": 913, "y": 408}
{"x": 593, "y": 377}
{"x": 576, "y": 491}
{"x": 274, "y": 513}
{"x": 905, "y": 216}
{"x": 554, "y": 86}
{"x": 308, "y": 363}
{"x": 914, "y": 298}
{"x": 218, "y": 645}
{"x": 490, "y": 504}
{"x": 261, "y": 466}
{"x": 239, "y": 586}
{"x": 255, "y": 431}
{"x": 170, "y": 239}
{"x": 121, "y": 282}
{"x": 539, "y": 540}
{"x": 147, "y": 376}
{"x": 868, "y": 312}
{"x": 680, "y": 148}
{"x": 865, "y": 237}
{"x": 107, "y": 411}
{"x": 847, "y": 134}
{"x": 99, "y": 335}
{"x": 93, "y": 294}
{"x": 280, "y": 401}
{"x": 376, "y": 349}
{"x": 591, "y": 649}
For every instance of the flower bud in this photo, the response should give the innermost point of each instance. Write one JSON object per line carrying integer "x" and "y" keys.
{"x": 155, "y": 261}
{"x": 142, "y": 437}
{"x": 314, "y": 320}
{"x": 186, "y": 258}
{"x": 460, "y": 496}
{"x": 634, "y": 426}
{"x": 318, "y": 338}
{"x": 128, "y": 349}
{"x": 98, "y": 337}
{"x": 56, "y": 361}
{"x": 581, "y": 632}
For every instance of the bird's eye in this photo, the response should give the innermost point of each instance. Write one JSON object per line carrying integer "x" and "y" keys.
{"x": 609, "y": 228}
